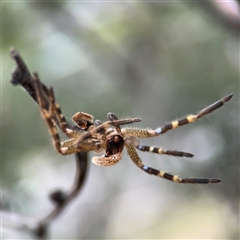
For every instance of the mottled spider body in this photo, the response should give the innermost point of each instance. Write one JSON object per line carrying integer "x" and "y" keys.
{"x": 109, "y": 138}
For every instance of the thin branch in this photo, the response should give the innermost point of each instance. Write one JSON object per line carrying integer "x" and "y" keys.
{"x": 60, "y": 199}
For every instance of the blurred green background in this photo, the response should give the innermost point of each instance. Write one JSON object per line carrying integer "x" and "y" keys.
{"x": 157, "y": 61}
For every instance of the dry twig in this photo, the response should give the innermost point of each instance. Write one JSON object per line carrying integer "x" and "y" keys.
{"x": 38, "y": 227}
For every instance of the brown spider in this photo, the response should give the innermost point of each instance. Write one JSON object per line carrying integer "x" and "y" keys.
{"x": 109, "y": 137}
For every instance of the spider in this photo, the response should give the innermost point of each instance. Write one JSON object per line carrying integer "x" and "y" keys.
{"x": 110, "y": 138}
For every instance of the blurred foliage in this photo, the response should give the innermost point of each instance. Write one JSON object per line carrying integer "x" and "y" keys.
{"x": 155, "y": 60}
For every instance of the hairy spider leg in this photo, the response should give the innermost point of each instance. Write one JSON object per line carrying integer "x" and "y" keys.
{"x": 129, "y": 144}
{"x": 145, "y": 133}
{"x": 56, "y": 110}
{"x": 47, "y": 115}
{"x": 160, "y": 150}
{"x": 68, "y": 147}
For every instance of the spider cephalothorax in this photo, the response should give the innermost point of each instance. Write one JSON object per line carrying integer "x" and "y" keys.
{"x": 110, "y": 138}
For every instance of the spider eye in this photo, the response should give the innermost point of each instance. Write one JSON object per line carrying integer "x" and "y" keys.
{"x": 112, "y": 116}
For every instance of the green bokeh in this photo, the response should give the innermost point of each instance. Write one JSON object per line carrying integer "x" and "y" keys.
{"x": 157, "y": 61}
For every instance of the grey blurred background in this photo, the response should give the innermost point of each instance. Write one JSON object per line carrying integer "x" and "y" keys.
{"x": 157, "y": 61}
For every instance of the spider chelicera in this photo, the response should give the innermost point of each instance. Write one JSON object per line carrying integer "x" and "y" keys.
{"x": 110, "y": 138}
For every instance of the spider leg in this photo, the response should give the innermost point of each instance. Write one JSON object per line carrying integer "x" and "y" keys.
{"x": 145, "y": 133}
{"x": 47, "y": 115}
{"x": 160, "y": 150}
{"x": 68, "y": 147}
{"x": 56, "y": 110}
{"x": 129, "y": 144}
